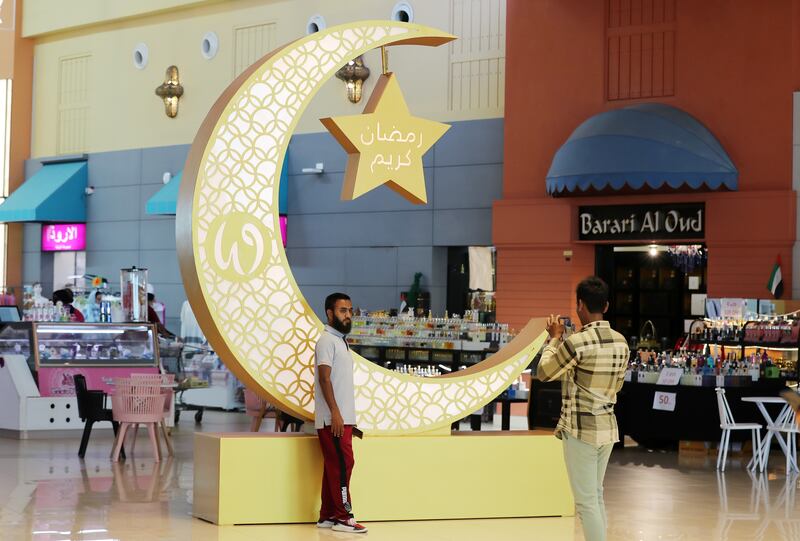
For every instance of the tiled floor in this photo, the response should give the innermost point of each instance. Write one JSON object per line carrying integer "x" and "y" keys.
{"x": 48, "y": 494}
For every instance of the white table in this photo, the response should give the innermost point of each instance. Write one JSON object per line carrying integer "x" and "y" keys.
{"x": 763, "y": 452}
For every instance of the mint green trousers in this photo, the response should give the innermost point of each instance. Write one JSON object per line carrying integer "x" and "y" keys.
{"x": 586, "y": 468}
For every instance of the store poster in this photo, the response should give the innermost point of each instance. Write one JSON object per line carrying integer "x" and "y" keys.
{"x": 729, "y": 308}
{"x": 58, "y": 381}
{"x": 732, "y": 308}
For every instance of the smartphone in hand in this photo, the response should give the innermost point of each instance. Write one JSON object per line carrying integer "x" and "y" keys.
{"x": 569, "y": 328}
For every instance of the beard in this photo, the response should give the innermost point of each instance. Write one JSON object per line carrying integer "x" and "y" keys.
{"x": 343, "y": 327}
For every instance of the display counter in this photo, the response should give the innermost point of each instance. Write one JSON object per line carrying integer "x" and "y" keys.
{"x": 399, "y": 342}
{"x": 40, "y": 360}
{"x": 695, "y": 417}
{"x": 670, "y": 397}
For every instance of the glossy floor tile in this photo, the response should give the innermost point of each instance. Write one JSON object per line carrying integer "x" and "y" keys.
{"x": 48, "y": 494}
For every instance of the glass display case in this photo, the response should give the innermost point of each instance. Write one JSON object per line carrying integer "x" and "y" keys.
{"x": 96, "y": 344}
{"x": 17, "y": 339}
{"x": 42, "y": 360}
{"x": 395, "y": 342}
{"x": 81, "y": 344}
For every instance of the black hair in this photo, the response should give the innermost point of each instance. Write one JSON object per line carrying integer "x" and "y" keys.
{"x": 593, "y": 291}
{"x": 330, "y": 300}
{"x": 151, "y": 297}
{"x": 63, "y": 295}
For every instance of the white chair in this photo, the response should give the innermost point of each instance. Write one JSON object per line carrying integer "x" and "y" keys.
{"x": 727, "y": 424}
{"x": 785, "y": 425}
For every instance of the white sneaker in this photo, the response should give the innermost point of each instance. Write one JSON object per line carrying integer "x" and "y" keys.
{"x": 326, "y": 524}
{"x": 351, "y": 526}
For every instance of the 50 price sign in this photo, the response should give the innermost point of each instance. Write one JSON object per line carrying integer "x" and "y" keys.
{"x": 664, "y": 401}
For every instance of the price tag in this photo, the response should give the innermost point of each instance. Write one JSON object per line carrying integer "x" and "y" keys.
{"x": 670, "y": 376}
{"x": 628, "y": 374}
{"x": 664, "y": 401}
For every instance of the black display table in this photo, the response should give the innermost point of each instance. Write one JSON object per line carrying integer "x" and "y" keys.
{"x": 505, "y": 422}
{"x": 696, "y": 417}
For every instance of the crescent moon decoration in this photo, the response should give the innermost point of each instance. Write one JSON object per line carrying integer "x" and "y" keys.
{"x": 235, "y": 269}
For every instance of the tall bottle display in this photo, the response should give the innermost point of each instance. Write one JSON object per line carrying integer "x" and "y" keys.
{"x": 133, "y": 285}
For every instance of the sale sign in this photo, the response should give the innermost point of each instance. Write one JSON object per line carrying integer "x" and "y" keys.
{"x": 63, "y": 237}
{"x": 670, "y": 376}
{"x": 664, "y": 401}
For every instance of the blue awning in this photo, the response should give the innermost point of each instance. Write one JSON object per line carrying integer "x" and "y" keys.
{"x": 56, "y": 193}
{"x": 650, "y": 144}
{"x": 165, "y": 200}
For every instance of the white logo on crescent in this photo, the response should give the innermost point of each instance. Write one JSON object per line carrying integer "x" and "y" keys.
{"x": 251, "y": 237}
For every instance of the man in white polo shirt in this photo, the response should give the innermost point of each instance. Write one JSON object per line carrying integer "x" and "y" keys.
{"x": 335, "y": 415}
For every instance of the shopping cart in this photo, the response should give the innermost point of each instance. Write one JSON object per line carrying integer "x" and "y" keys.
{"x": 172, "y": 355}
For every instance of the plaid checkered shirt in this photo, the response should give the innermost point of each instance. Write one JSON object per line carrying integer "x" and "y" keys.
{"x": 591, "y": 365}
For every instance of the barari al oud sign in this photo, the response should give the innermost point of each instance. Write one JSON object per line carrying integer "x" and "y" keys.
{"x": 642, "y": 222}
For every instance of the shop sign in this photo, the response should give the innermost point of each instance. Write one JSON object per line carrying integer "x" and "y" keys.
{"x": 664, "y": 401}
{"x": 642, "y": 222}
{"x": 63, "y": 237}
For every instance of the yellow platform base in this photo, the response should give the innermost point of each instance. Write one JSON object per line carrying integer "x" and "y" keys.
{"x": 276, "y": 478}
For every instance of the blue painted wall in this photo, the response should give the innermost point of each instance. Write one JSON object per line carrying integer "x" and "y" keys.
{"x": 369, "y": 248}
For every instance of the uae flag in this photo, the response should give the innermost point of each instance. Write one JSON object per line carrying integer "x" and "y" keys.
{"x": 775, "y": 284}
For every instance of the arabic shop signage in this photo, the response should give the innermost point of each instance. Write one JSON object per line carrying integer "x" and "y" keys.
{"x": 63, "y": 237}
{"x": 642, "y": 222}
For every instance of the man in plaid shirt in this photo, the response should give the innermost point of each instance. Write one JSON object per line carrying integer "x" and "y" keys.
{"x": 591, "y": 365}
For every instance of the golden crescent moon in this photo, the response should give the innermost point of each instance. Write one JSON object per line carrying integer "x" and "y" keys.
{"x": 234, "y": 266}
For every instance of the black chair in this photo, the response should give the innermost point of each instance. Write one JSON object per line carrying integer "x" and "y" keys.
{"x": 91, "y": 409}
{"x": 286, "y": 421}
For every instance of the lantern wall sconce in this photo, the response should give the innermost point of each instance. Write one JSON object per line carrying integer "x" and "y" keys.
{"x": 171, "y": 91}
{"x": 354, "y": 73}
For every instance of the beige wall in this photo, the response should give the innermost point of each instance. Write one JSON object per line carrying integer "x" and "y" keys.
{"x": 7, "y": 37}
{"x": 49, "y": 16}
{"x": 121, "y": 109}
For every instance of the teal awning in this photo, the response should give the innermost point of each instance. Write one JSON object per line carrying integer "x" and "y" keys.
{"x": 56, "y": 193}
{"x": 165, "y": 200}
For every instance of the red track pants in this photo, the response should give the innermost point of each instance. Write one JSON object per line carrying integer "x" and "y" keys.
{"x": 338, "y": 456}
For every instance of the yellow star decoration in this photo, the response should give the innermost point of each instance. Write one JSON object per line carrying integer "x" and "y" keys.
{"x": 385, "y": 144}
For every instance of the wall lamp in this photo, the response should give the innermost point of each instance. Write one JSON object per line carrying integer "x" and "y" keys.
{"x": 354, "y": 73}
{"x": 171, "y": 91}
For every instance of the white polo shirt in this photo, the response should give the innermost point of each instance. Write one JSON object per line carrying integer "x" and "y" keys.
{"x": 332, "y": 350}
